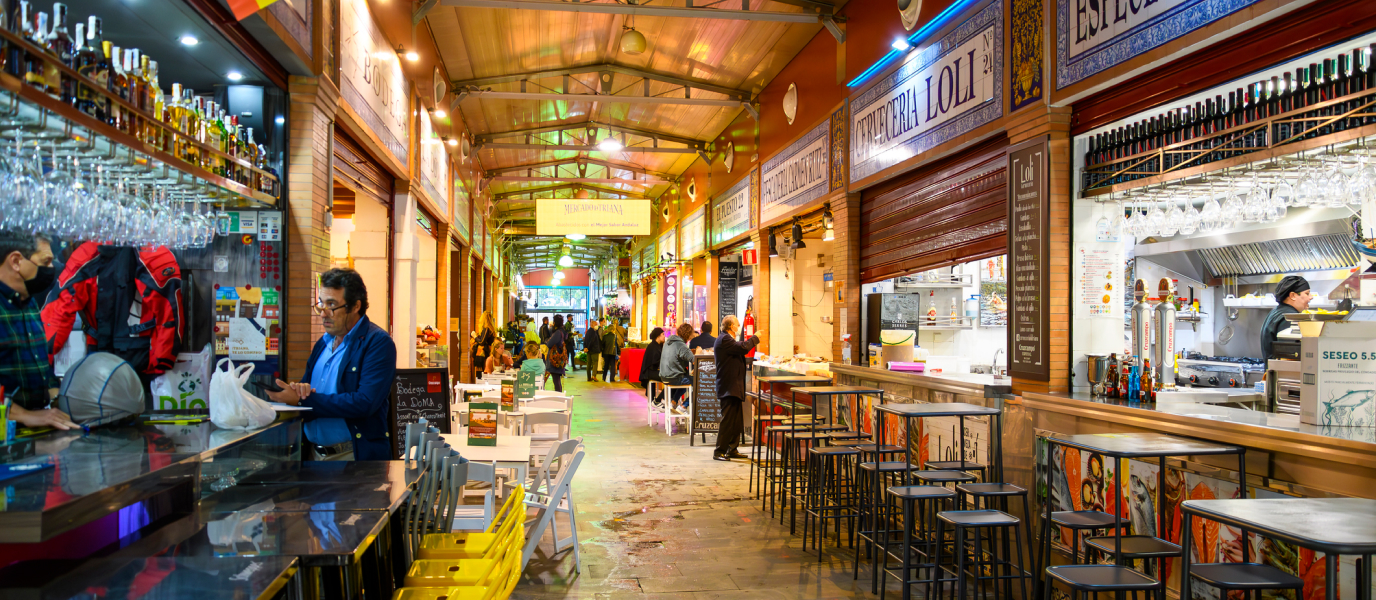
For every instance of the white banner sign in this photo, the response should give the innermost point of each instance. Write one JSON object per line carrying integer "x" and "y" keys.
{"x": 731, "y": 214}
{"x": 943, "y": 91}
{"x": 693, "y": 233}
{"x": 668, "y": 243}
{"x": 797, "y": 176}
{"x": 373, "y": 83}
{"x": 562, "y": 216}
{"x": 434, "y": 164}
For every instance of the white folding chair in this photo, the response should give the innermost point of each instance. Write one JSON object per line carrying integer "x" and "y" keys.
{"x": 556, "y": 403}
{"x": 669, "y": 415}
{"x": 470, "y": 517}
{"x": 550, "y": 394}
{"x": 559, "y": 499}
{"x": 547, "y": 467}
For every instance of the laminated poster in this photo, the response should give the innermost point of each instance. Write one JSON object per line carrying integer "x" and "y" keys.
{"x": 482, "y": 424}
{"x": 508, "y": 396}
{"x": 247, "y": 339}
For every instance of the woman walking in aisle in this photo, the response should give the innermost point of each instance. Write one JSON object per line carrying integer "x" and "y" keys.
{"x": 482, "y": 343}
{"x": 556, "y": 355}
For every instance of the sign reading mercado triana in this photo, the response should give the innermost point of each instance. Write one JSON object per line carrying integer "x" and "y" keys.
{"x": 562, "y": 216}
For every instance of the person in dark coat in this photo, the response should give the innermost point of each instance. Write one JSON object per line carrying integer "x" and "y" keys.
{"x": 705, "y": 340}
{"x": 649, "y": 369}
{"x": 592, "y": 346}
{"x": 611, "y": 349}
{"x": 544, "y": 331}
{"x": 731, "y": 370}
{"x": 556, "y": 345}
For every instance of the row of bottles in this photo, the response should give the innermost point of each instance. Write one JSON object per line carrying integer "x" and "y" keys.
{"x": 127, "y": 74}
{"x": 1346, "y": 74}
{"x": 1135, "y": 383}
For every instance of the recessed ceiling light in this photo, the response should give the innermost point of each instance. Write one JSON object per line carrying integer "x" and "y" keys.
{"x": 189, "y": 40}
{"x": 234, "y": 76}
{"x": 412, "y": 56}
{"x": 901, "y": 45}
{"x": 451, "y": 141}
{"x": 610, "y": 145}
{"x": 440, "y": 114}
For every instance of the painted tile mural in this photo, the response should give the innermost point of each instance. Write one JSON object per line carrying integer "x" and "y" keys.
{"x": 1084, "y": 481}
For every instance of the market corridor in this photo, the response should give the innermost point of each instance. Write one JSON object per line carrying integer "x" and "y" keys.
{"x": 661, "y": 519}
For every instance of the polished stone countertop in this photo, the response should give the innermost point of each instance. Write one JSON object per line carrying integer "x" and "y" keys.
{"x": 199, "y": 578}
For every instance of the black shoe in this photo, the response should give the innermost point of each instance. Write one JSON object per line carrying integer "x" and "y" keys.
{"x": 735, "y": 454}
{"x": 722, "y": 457}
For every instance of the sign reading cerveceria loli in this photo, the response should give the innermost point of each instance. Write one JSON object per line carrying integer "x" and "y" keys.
{"x": 561, "y": 216}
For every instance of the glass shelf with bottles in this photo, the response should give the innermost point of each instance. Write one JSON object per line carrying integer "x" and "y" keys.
{"x": 115, "y": 93}
{"x": 1327, "y": 102}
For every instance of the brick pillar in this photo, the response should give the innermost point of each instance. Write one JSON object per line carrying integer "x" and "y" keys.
{"x": 761, "y": 239}
{"x": 1053, "y": 122}
{"x": 314, "y": 102}
{"x": 442, "y": 279}
{"x": 845, "y": 311}
{"x": 713, "y": 291}
{"x": 461, "y": 302}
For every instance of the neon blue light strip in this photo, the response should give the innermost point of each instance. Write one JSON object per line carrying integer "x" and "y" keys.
{"x": 932, "y": 26}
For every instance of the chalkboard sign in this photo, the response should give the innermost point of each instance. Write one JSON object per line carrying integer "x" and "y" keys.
{"x": 727, "y": 282}
{"x": 706, "y": 405}
{"x": 1029, "y": 304}
{"x": 417, "y": 394}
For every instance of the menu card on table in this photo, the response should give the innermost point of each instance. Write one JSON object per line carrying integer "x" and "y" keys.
{"x": 525, "y": 386}
{"x": 482, "y": 424}
{"x": 508, "y": 396}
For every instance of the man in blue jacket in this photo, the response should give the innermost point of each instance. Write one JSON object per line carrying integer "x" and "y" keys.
{"x": 348, "y": 377}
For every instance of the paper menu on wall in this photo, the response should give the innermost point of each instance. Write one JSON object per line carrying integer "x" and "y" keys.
{"x": 247, "y": 339}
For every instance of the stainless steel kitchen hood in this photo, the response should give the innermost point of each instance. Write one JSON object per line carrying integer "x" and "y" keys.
{"x": 1312, "y": 241}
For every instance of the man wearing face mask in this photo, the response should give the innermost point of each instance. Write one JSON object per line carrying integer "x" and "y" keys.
{"x": 27, "y": 377}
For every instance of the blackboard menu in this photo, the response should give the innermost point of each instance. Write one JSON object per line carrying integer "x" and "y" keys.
{"x": 728, "y": 274}
{"x": 706, "y": 416}
{"x": 417, "y": 394}
{"x": 1028, "y": 250}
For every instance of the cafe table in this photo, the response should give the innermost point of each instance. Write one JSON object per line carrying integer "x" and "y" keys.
{"x": 1332, "y": 526}
{"x": 511, "y": 451}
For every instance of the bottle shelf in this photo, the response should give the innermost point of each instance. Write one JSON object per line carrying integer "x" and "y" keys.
{"x": 139, "y": 120}
{"x": 1229, "y": 148}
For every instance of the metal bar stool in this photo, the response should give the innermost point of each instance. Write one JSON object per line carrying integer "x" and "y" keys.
{"x": 827, "y": 394}
{"x": 1118, "y": 577}
{"x": 917, "y": 500}
{"x": 996, "y": 522}
{"x": 876, "y": 513}
{"x": 778, "y": 468}
{"x": 760, "y": 400}
{"x": 831, "y": 493}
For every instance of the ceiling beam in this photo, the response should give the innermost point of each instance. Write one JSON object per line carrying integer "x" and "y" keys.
{"x": 688, "y": 12}
{"x": 580, "y": 160}
{"x": 576, "y": 186}
{"x": 575, "y": 148}
{"x": 577, "y": 180}
{"x": 604, "y": 73}
{"x": 608, "y": 98}
{"x": 487, "y": 138}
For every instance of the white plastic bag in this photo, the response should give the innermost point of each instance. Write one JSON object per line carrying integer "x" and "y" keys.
{"x": 231, "y": 406}
{"x": 73, "y": 351}
{"x": 187, "y": 384}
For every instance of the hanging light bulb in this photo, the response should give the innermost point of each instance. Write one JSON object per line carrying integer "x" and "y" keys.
{"x": 566, "y": 261}
{"x": 558, "y": 274}
{"x": 828, "y": 227}
{"x": 773, "y": 244}
{"x": 797, "y": 234}
{"x": 632, "y": 41}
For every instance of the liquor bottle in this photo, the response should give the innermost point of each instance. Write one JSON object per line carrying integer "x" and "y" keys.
{"x": 1124, "y": 380}
{"x": 931, "y": 308}
{"x": 1111, "y": 381}
{"x": 119, "y": 81}
{"x": 33, "y": 64}
{"x": 1370, "y": 62}
{"x": 93, "y": 63}
{"x": 59, "y": 44}
{"x": 1144, "y": 394}
{"x": 1135, "y": 382}
{"x": 1357, "y": 84}
{"x": 14, "y": 55}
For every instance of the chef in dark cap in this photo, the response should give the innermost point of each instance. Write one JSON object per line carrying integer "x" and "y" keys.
{"x": 1292, "y": 296}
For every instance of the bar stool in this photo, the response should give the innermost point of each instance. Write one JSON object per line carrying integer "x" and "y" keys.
{"x": 875, "y": 512}
{"x": 758, "y": 422}
{"x": 669, "y": 415}
{"x": 820, "y": 394}
{"x": 653, "y": 407}
{"x": 927, "y": 498}
{"x": 780, "y": 467}
{"x": 831, "y": 491}
{"x": 995, "y": 521}
{"x": 796, "y": 476}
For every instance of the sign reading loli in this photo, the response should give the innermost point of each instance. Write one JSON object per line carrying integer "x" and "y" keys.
{"x": 731, "y": 212}
{"x": 797, "y": 176}
{"x": 1095, "y": 35}
{"x": 561, "y": 216}
{"x": 945, "y": 90}
{"x": 373, "y": 83}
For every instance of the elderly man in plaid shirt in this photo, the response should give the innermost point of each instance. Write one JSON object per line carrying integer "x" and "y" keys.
{"x": 27, "y": 376}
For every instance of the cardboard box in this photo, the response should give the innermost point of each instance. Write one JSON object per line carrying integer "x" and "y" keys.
{"x": 1338, "y": 374}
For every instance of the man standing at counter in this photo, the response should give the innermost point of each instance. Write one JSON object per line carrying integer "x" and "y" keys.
{"x": 27, "y": 376}
{"x": 348, "y": 376}
{"x": 731, "y": 368}
{"x": 1292, "y": 296}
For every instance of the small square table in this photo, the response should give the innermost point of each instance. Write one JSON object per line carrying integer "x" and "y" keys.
{"x": 947, "y": 409}
{"x": 1333, "y": 526}
{"x": 511, "y": 451}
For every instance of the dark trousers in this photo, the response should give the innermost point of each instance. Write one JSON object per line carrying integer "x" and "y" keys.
{"x": 608, "y": 368}
{"x": 732, "y": 425}
{"x": 678, "y": 394}
{"x": 591, "y": 367}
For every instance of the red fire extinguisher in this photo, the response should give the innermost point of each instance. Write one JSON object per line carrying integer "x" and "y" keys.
{"x": 748, "y": 325}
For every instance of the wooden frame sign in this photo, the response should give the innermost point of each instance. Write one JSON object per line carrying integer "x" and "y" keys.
{"x": 1029, "y": 250}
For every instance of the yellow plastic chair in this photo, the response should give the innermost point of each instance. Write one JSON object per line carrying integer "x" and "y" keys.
{"x": 455, "y": 546}
{"x": 468, "y": 579}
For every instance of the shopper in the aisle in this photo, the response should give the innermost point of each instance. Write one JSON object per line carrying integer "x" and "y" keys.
{"x": 592, "y": 347}
{"x": 571, "y": 341}
{"x": 544, "y": 331}
{"x": 611, "y": 350}
{"x": 705, "y": 340}
{"x": 649, "y": 366}
{"x": 482, "y": 343}
{"x": 731, "y": 370}
{"x": 348, "y": 376}
{"x": 25, "y": 372}
{"x": 556, "y": 354}
{"x": 675, "y": 364}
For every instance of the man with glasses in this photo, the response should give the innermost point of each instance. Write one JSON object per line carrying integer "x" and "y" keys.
{"x": 27, "y": 377}
{"x": 348, "y": 377}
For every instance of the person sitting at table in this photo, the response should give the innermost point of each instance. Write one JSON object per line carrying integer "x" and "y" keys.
{"x": 348, "y": 377}
{"x": 500, "y": 359}
{"x": 675, "y": 364}
{"x": 705, "y": 340}
{"x": 649, "y": 365}
{"x": 534, "y": 363}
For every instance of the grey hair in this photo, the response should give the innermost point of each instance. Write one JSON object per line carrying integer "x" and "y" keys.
{"x": 730, "y": 324}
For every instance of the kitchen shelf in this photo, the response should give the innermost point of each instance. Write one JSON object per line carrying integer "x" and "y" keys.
{"x": 945, "y": 327}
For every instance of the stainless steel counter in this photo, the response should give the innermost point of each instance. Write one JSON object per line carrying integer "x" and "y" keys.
{"x": 98, "y": 473}
{"x": 922, "y": 385}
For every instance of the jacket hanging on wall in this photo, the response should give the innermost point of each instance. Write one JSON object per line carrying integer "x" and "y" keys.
{"x": 128, "y": 298}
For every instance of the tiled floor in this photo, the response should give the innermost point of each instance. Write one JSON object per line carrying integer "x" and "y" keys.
{"x": 660, "y": 519}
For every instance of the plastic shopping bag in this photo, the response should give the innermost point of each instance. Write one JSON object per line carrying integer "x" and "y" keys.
{"x": 232, "y": 407}
{"x": 187, "y": 384}
{"x": 73, "y": 351}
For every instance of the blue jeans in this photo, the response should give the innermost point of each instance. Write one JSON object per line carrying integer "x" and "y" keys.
{"x": 678, "y": 394}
